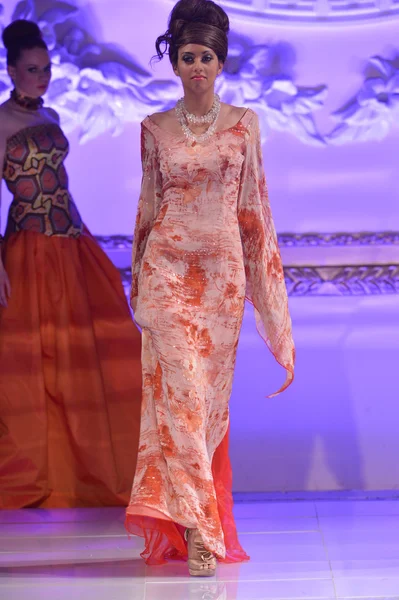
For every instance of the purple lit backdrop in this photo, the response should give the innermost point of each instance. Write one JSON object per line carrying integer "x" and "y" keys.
{"x": 335, "y": 428}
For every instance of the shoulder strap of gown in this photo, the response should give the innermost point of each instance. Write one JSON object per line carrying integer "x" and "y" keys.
{"x": 247, "y": 117}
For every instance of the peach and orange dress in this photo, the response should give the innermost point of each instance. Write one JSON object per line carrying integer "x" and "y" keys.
{"x": 204, "y": 241}
{"x": 70, "y": 369}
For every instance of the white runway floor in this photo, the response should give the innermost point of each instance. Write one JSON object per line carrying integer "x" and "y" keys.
{"x": 326, "y": 549}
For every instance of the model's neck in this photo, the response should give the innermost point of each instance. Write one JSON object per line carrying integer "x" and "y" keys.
{"x": 26, "y": 102}
{"x": 198, "y": 104}
{"x": 22, "y": 94}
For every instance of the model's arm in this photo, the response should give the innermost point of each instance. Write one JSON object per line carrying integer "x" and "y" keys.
{"x": 263, "y": 267}
{"x": 148, "y": 206}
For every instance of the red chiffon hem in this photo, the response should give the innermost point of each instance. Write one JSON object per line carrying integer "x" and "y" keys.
{"x": 164, "y": 539}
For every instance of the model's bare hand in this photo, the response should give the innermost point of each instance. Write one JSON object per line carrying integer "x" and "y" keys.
{"x": 133, "y": 303}
{"x": 5, "y": 287}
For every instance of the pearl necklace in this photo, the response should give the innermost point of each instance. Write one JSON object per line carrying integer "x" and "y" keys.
{"x": 211, "y": 117}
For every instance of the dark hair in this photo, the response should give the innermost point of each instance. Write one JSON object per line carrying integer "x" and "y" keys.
{"x": 21, "y": 35}
{"x": 195, "y": 22}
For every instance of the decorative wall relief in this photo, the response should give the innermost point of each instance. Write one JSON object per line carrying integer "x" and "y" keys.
{"x": 347, "y": 280}
{"x": 289, "y": 240}
{"x": 93, "y": 88}
{"x": 313, "y": 11}
{"x": 367, "y": 238}
{"x": 260, "y": 77}
{"x": 343, "y": 280}
{"x": 374, "y": 111}
{"x": 314, "y": 279}
{"x": 97, "y": 91}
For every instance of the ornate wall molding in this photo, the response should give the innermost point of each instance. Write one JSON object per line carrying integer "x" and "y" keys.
{"x": 260, "y": 77}
{"x": 348, "y": 280}
{"x": 313, "y": 11}
{"x": 115, "y": 242}
{"x": 374, "y": 111}
{"x": 94, "y": 88}
{"x": 301, "y": 240}
{"x": 315, "y": 279}
{"x": 289, "y": 240}
{"x": 97, "y": 92}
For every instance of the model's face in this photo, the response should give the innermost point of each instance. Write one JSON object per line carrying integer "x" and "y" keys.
{"x": 32, "y": 73}
{"x": 198, "y": 67}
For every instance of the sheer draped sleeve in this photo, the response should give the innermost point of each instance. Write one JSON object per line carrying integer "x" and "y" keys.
{"x": 265, "y": 285}
{"x": 148, "y": 206}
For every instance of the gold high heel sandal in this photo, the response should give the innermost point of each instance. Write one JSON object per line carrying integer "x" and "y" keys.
{"x": 201, "y": 562}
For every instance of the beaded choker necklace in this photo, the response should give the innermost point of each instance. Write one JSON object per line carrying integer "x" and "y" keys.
{"x": 210, "y": 118}
{"x": 25, "y": 102}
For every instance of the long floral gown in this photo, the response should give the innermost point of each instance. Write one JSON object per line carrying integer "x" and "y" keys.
{"x": 204, "y": 241}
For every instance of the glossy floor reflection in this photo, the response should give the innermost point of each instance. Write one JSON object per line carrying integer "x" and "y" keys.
{"x": 318, "y": 550}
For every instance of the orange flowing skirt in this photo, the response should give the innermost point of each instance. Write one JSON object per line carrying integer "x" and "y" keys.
{"x": 70, "y": 377}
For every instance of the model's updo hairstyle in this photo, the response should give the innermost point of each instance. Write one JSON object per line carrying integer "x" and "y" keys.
{"x": 21, "y": 35}
{"x": 195, "y": 22}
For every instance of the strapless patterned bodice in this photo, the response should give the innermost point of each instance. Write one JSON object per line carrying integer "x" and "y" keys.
{"x": 35, "y": 175}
